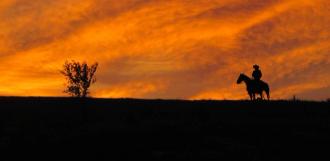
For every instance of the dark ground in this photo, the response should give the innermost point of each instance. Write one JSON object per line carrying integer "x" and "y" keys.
{"x": 126, "y": 129}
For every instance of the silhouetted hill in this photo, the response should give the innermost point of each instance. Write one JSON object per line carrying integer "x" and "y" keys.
{"x": 127, "y": 129}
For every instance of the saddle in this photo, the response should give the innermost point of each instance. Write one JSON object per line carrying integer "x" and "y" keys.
{"x": 258, "y": 83}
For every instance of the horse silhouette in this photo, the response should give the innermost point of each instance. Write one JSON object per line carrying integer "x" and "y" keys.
{"x": 254, "y": 87}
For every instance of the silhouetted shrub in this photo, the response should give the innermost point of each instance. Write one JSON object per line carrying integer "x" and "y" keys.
{"x": 79, "y": 77}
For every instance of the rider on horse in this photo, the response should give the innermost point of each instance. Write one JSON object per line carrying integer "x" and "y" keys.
{"x": 256, "y": 73}
{"x": 255, "y": 86}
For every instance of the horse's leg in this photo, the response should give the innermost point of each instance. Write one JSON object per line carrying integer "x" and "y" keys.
{"x": 250, "y": 94}
{"x": 261, "y": 95}
{"x": 267, "y": 92}
{"x": 268, "y": 96}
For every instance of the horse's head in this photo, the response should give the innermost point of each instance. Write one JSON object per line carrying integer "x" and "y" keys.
{"x": 240, "y": 78}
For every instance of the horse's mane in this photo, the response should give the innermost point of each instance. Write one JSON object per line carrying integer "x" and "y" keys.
{"x": 243, "y": 75}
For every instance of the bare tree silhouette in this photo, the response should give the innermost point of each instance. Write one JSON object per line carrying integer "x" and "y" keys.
{"x": 79, "y": 77}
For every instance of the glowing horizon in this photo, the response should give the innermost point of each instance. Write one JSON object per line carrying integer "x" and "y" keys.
{"x": 167, "y": 48}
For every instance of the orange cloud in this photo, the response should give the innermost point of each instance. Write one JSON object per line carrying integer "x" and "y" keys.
{"x": 166, "y": 48}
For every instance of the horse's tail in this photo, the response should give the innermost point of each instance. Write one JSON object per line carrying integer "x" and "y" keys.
{"x": 267, "y": 91}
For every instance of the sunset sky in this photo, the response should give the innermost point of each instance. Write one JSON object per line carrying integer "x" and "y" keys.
{"x": 181, "y": 49}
